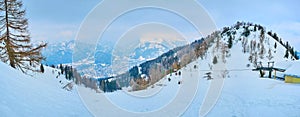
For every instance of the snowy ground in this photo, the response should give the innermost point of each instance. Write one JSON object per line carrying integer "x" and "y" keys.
{"x": 252, "y": 97}
{"x": 22, "y": 95}
{"x": 244, "y": 94}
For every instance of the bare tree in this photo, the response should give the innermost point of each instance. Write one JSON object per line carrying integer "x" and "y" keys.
{"x": 187, "y": 57}
{"x": 155, "y": 73}
{"x": 17, "y": 49}
{"x": 270, "y": 56}
{"x": 224, "y": 52}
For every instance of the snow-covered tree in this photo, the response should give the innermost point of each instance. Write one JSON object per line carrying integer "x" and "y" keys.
{"x": 16, "y": 48}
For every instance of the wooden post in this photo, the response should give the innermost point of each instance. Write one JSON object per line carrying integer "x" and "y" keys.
{"x": 261, "y": 73}
{"x": 270, "y": 73}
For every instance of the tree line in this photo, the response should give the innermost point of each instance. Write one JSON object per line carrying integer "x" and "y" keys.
{"x": 289, "y": 48}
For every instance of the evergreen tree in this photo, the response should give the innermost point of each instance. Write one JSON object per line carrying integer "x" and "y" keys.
{"x": 275, "y": 36}
{"x": 66, "y": 72}
{"x": 286, "y": 54}
{"x": 292, "y": 51}
{"x": 246, "y": 32}
{"x": 275, "y": 45}
{"x": 215, "y": 60}
{"x": 17, "y": 49}
{"x": 269, "y": 33}
{"x": 230, "y": 42}
{"x": 70, "y": 73}
{"x": 42, "y": 68}
{"x": 61, "y": 68}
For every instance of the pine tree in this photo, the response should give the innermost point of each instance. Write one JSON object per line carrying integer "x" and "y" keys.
{"x": 17, "y": 49}
{"x": 286, "y": 54}
{"x": 61, "y": 68}
{"x": 70, "y": 73}
{"x": 42, "y": 68}
{"x": 292, "y": 51}
{"x": 230, "y": 42}
{"x": 215, "y": 60}
{"x": 66, "y": 72}
{"x": 275, "y": 36}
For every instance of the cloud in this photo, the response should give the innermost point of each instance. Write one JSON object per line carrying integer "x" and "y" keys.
{"x": 52, "y": 32}
{"x": 67, "y": 34}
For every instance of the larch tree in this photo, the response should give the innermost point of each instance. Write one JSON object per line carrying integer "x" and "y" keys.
{"x": 16, "y": 48}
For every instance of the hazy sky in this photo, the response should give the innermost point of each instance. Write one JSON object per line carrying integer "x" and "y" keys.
{"x": 59, "y": 20}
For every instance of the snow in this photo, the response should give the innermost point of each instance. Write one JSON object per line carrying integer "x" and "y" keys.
{"x": 294, "y": 69}
{"x": 136, "y": 103}
{"x": 141, "y": 58}
{"x": 41, "y": 95}
{"x": 103, "y": 65}
{"x": 250, "y": 96}
{"x": 245, "y": 94}
{"x": 287, "y": 66}
{"x": 242, "y": 92}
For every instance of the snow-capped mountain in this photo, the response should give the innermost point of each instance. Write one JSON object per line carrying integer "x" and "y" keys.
{"x": 57, "y": 53}
{"x": 148, "y": 51}
{"x": 101, "y": 60}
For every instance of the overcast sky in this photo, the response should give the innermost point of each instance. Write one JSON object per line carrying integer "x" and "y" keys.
{"x": 59, "y": 20}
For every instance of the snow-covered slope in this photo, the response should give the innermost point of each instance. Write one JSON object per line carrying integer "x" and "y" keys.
{"x": 242, "y": 92}
{"x": 41, "y": 95}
